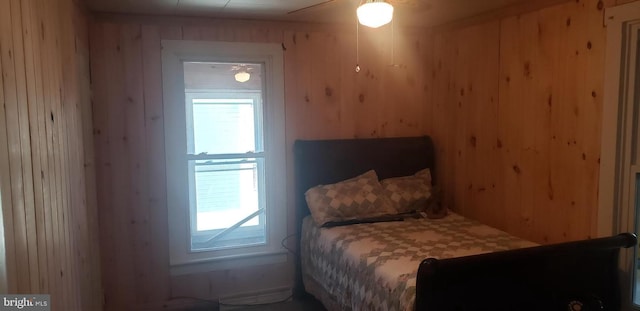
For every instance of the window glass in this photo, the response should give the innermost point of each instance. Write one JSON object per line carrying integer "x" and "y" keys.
{"x": 227, "y": 209}
{"x": 225, "y": 192}
{"x": 223, "y": 126}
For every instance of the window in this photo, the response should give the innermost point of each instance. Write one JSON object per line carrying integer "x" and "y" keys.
{"x": 224, "y": 135}
{"x": 226, "y": 169}
{"x": 619, "y": 196}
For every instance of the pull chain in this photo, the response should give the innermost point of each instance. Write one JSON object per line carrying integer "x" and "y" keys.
{"x": 393, "y": 46}
{"x": 393, "y": 51}
{"x": 357, "y": 45}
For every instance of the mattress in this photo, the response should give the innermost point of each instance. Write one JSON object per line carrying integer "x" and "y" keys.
{"x": 373, "y": 266}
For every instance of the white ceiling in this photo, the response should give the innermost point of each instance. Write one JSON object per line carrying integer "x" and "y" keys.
{"x": 408, "y": 12}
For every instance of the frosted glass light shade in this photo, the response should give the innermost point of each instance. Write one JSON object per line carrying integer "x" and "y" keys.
{"x": 375, "y": 14}
{"x": 242, "y": 76}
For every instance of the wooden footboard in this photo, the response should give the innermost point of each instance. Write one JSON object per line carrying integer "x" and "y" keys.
{"x": 580, "y": 275}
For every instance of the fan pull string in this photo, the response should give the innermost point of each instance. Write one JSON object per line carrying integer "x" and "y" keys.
{"x": 393, "y": 51}
{"x": 357, "y": 45}
{"x": 393, "y": 45}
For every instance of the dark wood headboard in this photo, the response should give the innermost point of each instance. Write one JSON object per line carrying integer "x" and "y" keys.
{"x": 320, "y": 162}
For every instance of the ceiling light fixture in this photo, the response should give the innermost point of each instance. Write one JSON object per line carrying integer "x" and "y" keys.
{"x": 375, "y": 13}
{"x": 242, "y": 76}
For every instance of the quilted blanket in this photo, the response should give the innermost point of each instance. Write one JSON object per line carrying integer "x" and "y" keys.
{"x": 373, "y": 266}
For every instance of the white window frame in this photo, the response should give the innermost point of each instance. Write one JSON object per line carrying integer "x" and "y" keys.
{"x": 616, "y": 209}
{"x": 256, "y": 98}
{"x": 174, "y": 54}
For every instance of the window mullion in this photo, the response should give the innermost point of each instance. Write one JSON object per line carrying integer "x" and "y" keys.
{"x": 200, "y": 157}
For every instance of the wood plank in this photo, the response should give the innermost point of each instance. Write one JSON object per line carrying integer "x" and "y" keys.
{"x": 587, "y": 110}
{"x": 301, "y": 46}
{"x": 460, "y": 107}
{"x": 55, "y": 121}
{"x": 133, "y": 142}
{"x": 516, "y": 9}
{"x": 409, "y": 56}
{"x": 324, "y": 88}
{"x": 47, "y": 28}
{"x": 67, "y": 94}
{"x": 92, "y": 297}
{"x": 34, "y": 101}
{"x": 427, "y": 86}
{"x": 58, "y": 124}
{"x": 78, "y": 216}
{"x": 42, "y": 115}
{"x": 476, "y": 93}
{"x": 154, "y": 129}
{"x": 25, "y": 146}
{"x": 591, "y": 123}
{"x": 348, "y": 77}
{"x": 40, "y": 128}
{"x": 396, "y": 119}
{"x": 541, "y": 101}
{"x": 510, "y": 125}
{"x": 104, "y": 180}
{"x": 6, "y": 189}
{"x": 120, "y": 159}
{"x": 15, "y": 151}
{"x": 171, "y": 32}
{"x": 191, "y": 33}
{"x": 44, "y": 227}
{"x": 48, "y": 166}
{"x": 439, "y": 77}
{"x": 560, "y": 123}
{"x": 368, "y": 84}
{"x": 102, "y": 52}
{"x": 25, "y": 133}
{"x": 487, "y": 122}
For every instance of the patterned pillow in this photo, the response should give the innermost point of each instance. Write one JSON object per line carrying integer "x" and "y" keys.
{"x": 356, "y": 198}
{"x": 409, "y": 193}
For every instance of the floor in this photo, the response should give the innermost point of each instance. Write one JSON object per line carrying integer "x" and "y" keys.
{"x": 636, "y": 289}
{"x": 296, "y": 305}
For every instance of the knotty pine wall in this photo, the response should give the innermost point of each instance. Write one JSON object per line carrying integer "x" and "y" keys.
{"x": 46, "y": 154}
{"x": 325, "y": 98}
{"x": 513, "y": 102}
{"x": 516, "y": 114}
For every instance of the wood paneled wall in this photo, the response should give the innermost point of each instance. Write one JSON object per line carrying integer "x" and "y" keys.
{"x": 325, "y": 98}
{"x": 516, "y": 115}
{"x": 48, "y": 195}
{"x": 513, "y": 104}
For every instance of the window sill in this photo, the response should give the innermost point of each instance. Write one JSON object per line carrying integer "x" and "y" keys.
{"x": 228, "y": 262}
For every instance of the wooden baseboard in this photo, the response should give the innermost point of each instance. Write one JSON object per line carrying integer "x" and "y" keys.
{"x": 268, "y": 296}
{"x": 180, "y": 304}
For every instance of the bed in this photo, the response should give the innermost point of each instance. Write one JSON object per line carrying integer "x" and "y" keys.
{"x": 452, "y": 263}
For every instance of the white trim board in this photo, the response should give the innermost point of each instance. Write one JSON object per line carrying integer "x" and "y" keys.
{"x": 617, "y": 20}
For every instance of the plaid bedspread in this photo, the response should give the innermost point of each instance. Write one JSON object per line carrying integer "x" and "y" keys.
{"x": 374, "y": 266}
